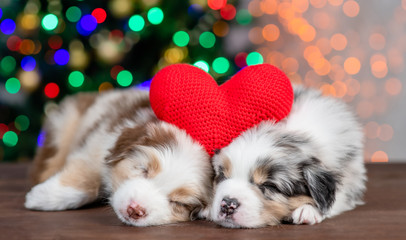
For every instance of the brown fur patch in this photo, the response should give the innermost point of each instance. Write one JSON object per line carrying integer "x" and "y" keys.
{"x": 297, "y": 201}
{"x": 273, "y": 212}
{"x": 227, "y": 167}
{"x": 126, "y": 112}
{"x": 84, "y": 101}
{"x": 79, "y": 175}
{"x": 40, "y": 170}
{"x": 260, "y": 175}
{"x": 154, "y": 166}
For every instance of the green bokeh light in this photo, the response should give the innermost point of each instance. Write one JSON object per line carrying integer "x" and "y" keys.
{"x": 49, "y": 22}
{"x": 10, "y": 138}
{"x": 124, "y": 78}
{"x": 254, "y": 58}
{"x": 13, "y": 85}
{"x": 136, "y": 23}
{"x": 181, "y": 38}
{"x": 221, "y": 65}
{"x": 207, "y": 39}
{"x": 155, "y": 15}
{"x": 76, "y": 79}
{"x": 8, "y": 64}
{"x": 243, "y": 17}
{"x": 202, "y": 65}
{"x": 22, "y": 122}
{"x": 73, "y": 14}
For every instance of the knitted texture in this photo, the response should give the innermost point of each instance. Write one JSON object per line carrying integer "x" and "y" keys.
{"x": 190, "y": 98}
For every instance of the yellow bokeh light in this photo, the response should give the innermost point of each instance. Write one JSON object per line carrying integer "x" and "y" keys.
{"x": 322, "y": 67}
{"x": 290, "y": 65}
{"x": 322, "y": 20}
{"x": 255, "y": 35}
{"x": 29, "y": 21}
{"x": 377, "y": 41}
{"x": 335, "y": 2}
{"x": 173, "y": 55}
{"x": 328, "y": 90}
{"x": 269, "y": 6}
{"x": 270, "y": 32}
{"x": 318, "y": 3}
{"x": 351, "y": 8}
{"x": 254, "y": 8}
{"x": 307, "y": 33}
{"x": 338, "y": 41}
{"x": 385, "y": 132}
{"x": 300, "y": 6}
{"x": 379, "y": 69}
{"x": 393, "y": 86}
{"x": 379, "y": 156}
{"x": 285, "y": 10}
{"x": 105, "y": 86}
{"x": 352, "y": 65}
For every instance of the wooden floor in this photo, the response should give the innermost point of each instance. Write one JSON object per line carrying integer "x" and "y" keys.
{"x": 383, "y": 216}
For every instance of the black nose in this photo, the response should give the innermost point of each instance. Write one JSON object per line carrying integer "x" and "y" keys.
{"x": 229, "y": 205}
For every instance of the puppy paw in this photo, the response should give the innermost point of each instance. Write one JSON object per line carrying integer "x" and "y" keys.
{"x": 306, "y": 214}
{"x": 52, "y": 196}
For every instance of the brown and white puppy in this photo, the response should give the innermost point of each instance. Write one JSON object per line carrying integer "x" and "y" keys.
{"x": 303, "y": 169}
{"x": 152, "y": 172}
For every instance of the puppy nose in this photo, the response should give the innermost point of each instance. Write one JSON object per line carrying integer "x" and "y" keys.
{"x": 229, "y": 205}
{"x": 136, "y": 211}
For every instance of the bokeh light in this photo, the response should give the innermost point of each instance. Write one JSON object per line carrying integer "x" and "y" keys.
{"x": 51, "y": 90}
{"x": 243, "y": 17}
{"x": 28, "y": 63}
{"x": 12, "y": 85}
{"x": 7, "y": 64}
{"x": 181, "y": 38}
{"x": 155, "y": 15}
{"x": 7, "y": 26}
{"x": 49, "y": 22}
{"x": 99, "y": 14}
{"x": 254, "y": 58}
{"x": 61, "y": 57}
{"x": 207, "y": 39}
{"x": 124, "y": 78}
{"x": 202, "y": 65}
{"x": 228, "y": 12}
{"x": 22, "y": 122}
{"x": 76, "y": 79}
{"x": 136, "y": 23}
{"x": 221, "y": 65}
{"x": 88, "y": 23}
{"x": 10, "y": 139}
{"x": 216, "y": 4}
{"x": 73, "y": 14}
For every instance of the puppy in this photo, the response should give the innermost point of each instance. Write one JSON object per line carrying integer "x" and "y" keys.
{"x": 112, "y": 144}
{"x": 303, "y": 169}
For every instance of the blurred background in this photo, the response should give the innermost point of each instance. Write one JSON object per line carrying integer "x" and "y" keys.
{"x": 352, "y": 50}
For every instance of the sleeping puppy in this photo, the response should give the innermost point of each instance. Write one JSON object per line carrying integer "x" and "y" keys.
{"x": 112, "y": 144}
{"x": 304, "y": 169}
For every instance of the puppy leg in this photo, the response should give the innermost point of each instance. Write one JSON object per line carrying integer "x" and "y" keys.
{"x": 76, "y": 185}
{"x": 307, "y": 214}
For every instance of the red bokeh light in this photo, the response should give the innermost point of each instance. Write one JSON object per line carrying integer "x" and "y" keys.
{"x": 3, "y": 129}
{"x": 99, "y": 14}
{"x": 228, "y": 12}
{"x": 216, "y": 4}
{"x": 240, "y": 59}
{"x": 55, "y": 42}
{"x": 14, "y": 43}
{"x": 51, "y": 90}
{"x": 115, "y": 70}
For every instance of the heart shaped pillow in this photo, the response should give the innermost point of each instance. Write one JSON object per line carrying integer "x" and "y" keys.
{"x": 190, "y": 98}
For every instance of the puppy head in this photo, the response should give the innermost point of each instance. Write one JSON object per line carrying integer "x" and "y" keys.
{"x": 266, "y": 173}
{"x": 158, "y": 175}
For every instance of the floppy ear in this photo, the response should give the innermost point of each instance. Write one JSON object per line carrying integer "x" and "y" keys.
{"x": 321, "y": 183}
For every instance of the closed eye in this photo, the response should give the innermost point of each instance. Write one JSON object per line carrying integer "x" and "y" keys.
{"x": 268, "y": 186}
{"x": 219, "y": 176}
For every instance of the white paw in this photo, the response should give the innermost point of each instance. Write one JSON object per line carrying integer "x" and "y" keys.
{"x": 52, "y": 196}
{"x": 306, "y": 214}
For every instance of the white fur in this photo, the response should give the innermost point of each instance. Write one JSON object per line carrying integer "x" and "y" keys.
{"x": 306, "y": 214}
{"x": 52, "y": 196}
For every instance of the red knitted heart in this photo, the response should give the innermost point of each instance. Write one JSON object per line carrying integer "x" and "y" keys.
{"x": 189, "y": 98}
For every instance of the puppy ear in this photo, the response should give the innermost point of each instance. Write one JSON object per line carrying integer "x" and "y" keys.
{"x": 322, "y": 184}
